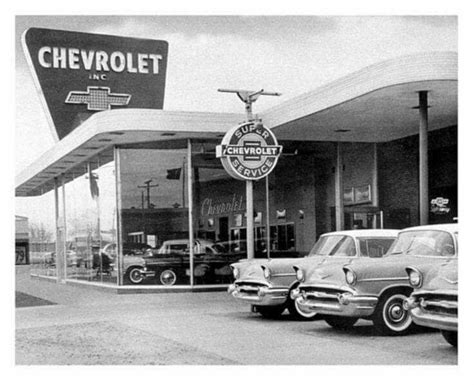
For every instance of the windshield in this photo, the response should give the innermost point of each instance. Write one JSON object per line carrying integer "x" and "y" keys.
{"x": 168, "y": 248}
{"x": 334, "y": 245}
{"x": 424, "y": 243}
{"x": 374, "y": 247}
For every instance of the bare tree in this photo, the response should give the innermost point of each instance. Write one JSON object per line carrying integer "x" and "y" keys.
{"x": 40, "y": 234}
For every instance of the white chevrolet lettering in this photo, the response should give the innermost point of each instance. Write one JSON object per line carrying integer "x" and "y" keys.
{"x": 142, "y": 63}
{"x": 74, "y": 59}
{"x": 59, "y": 57}
{"x": 130, "y": 67}
{"x": 117, "y": 61}
{"x": 41, "y": 57}
{"x": 87, "y": 59}
{"x": 101, "y": 61}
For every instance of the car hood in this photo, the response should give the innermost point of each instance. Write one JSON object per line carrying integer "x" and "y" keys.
{"x": 251, "y": 270}
{"x": 442, "y": 278}
{"x": 391, "y": 269}
{"x": 310, "y": 265}
{"x": 392, "y": 266}
{"x": 325, "y": 274}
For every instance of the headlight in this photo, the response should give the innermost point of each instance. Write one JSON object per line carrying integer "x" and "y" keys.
{"x": 266, "y": 272}
{"x": 235, "y": 272}
{"x": 350, "y": 277}
{"x": 414, "y": 277}
{"x": 299, "y": 275}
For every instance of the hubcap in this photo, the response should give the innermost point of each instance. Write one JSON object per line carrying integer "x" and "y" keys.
{"x": 304, "y": 313}
{"x": 135, "y": 276}
{"x": 396, "y": 318}
{"x": 168, "y": 277}
{"x": 396, "y": 312}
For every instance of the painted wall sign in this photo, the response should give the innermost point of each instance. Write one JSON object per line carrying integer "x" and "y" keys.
{"x": 249, "y": 151}
{"x": 79, "y": 74}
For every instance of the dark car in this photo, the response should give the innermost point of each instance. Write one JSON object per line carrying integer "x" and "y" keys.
{"x": 133, "y": 262}
{"x": 170, "y": 264}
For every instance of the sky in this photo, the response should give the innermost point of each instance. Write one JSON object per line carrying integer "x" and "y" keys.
{"x": 286, "y": 54}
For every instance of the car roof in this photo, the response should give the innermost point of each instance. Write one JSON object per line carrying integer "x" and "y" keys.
{"x": 185, "y": 241}
{"x": 366, "y": 233}
{"x": 450, "y": 227}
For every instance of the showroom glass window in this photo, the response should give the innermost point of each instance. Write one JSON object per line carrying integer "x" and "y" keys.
{"x": 154, "y": 214}
{"x": 91, "y": 222}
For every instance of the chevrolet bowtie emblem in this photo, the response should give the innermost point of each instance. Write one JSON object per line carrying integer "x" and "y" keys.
{"x": 98, "y": 98}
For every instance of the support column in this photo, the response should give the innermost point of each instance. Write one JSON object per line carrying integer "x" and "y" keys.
{"x": 339, "y": 189}
{"x": 59, "y": 235}
{"x": 375, "y": 184}
{"x": 64, "y": 230}
{"x": 250, "y": 237}
{"x": 423, "y": 153}
{"x": 118, "y": 206}
{"x": 267, "y": 216}
{"x": 190, "y": 212}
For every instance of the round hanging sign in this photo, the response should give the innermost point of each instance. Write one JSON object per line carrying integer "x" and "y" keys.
{"x": 249, "y": 151}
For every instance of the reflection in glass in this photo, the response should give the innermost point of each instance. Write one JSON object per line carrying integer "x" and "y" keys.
{"x": 154, "y": 212}
{"x": 91, "y": 225}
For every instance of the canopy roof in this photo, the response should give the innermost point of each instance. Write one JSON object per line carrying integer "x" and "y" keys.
{"x": 375, "y": 104}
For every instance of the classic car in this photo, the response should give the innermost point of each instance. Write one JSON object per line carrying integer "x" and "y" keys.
{"x": 170, "y": 264}
{"x": 266, "y": 283}
{"x": 133, "y": 262}
{"x": 434, "y": 301}
{"x": 72, "y": 259}
{"x": 375, "y": 288}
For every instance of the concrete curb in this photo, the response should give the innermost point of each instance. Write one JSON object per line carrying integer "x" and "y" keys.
{"x": 152, "y": 289}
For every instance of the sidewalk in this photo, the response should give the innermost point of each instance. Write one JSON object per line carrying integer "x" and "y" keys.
{"x": 91, "y": 327}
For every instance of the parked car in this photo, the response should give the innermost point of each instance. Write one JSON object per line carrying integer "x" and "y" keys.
{"x": 266, "y": 283}
{"x": 375, "y": 288}
{"x": 170, "y": 264}
{"x": 133, "y": 260}
{"x": 72, "y": 259}
{"x": 434, "y": 301}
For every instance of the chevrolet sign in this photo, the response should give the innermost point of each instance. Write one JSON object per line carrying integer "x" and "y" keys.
{"x": 79, "y": 74}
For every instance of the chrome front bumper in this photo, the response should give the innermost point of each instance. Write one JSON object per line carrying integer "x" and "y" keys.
{"x": 145, "y": 272}
{"x": 258, "y": 295}
{"x": 432, "y": 319}
{"x": 344, "y": 304}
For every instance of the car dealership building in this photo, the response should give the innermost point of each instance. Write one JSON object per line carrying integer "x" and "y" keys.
{"x": 374, "y": 149}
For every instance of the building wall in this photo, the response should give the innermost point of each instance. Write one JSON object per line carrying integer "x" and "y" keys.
{"x": 21, "y": 241}
{"x": 399, "y": 176}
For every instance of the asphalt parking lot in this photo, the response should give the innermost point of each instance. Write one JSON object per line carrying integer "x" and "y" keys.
{"x": 85, "y": 326}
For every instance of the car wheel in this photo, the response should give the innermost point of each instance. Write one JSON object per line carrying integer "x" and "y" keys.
{"x": 341, "y": 323}
{"x": 168, "y": 277}
{"x": 270, "y": 312}
{"x": 134, "y": 275}
{"x": 450, "y": 337}
{"x": 390, "y": 318}
{"x": 298, "y": 313}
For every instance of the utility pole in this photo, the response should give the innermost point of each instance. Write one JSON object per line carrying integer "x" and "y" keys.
{"x": 249, "y": 97}
{"x": 148, "y": 186}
